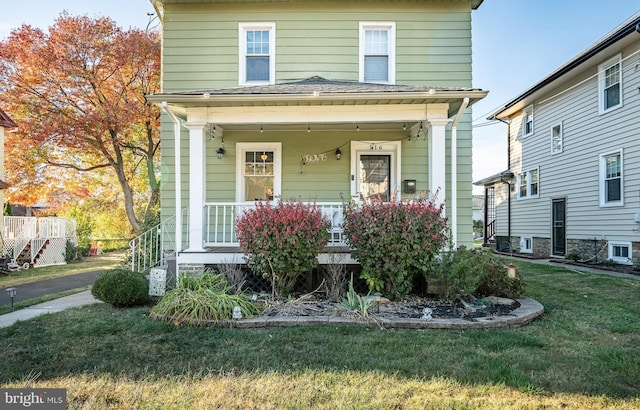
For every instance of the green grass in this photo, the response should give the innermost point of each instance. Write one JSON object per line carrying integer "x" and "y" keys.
{"x": 88, "y": 264}
{"x": 46, "y": 298}
{"x": 582, "y": 353}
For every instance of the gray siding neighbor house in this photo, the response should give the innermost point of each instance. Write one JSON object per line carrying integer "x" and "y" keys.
{"x": 573, "y": 184}
{"x": 317, "y": 100}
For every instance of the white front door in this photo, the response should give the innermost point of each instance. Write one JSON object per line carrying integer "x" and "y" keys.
{"x": 375, "y": 170}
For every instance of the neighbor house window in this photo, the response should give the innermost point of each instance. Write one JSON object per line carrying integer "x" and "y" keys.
{"x": 257, "y": 53}
{"x": 610, "y": 84}
{"x": 377, "y": 52}
{"x": 620, "y": 252}
{"x": 528, "y": 184}
{"x": 526, "y": 245}
{"x": 611, "y": 179}
{"x": 527, "y": 121}
{"x": 556, "y": 139}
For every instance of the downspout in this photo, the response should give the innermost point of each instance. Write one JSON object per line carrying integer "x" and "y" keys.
{"x": 508, "y": 182}
{"x": 454, "y": 171}
{"x": 178, "y": 176}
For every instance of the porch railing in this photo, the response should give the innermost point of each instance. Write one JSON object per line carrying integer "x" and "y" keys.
{"x": 221, "y": 218}
{"x": 151, "y": 248}
{"x": 40, "y": 241}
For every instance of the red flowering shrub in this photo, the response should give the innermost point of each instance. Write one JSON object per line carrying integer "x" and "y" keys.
{"x": 282, "y": 241}
{"x": 394, "y": 241}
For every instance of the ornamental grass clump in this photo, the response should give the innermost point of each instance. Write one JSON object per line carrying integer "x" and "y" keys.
{"x": 198, "y": 300}
{"x": 281, "y": 241}
{"x": 395, "y": 241}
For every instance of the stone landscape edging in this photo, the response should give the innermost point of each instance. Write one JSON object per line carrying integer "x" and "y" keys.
{"x": 529, "y": 309}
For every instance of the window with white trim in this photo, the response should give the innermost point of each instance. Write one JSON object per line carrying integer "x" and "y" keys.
{"x": 377, "y": 52}
{"x": 610, "y": 84}
{"x": 526, "y": 245}
{"x": 620, "y": 252}
{"x": 527, "y": 121}
{"x": 611, "y": 179}
{"x": 556, "y": 139}
{"x": 259, "y": 169}
{"x": 257, "y": 53}
{"x": 528, "y": 184}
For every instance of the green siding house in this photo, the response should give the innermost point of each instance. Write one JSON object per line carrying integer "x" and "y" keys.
{"x": 317, "y": 100}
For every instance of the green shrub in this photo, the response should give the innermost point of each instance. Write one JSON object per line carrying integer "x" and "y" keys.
{"x": 200, "y": 299}
{"x": 282, "y": 241}
{"x": 478, "y": 272}
{"x": 70, "y": 252}
{"x": 121, "y": 288}
{"x": 394, "y": 241}
{"x": 458, "y": 273}
{"x": 496, "y": 281}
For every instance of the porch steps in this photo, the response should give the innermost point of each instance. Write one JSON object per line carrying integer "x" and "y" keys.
{"x": 25, "y": 255}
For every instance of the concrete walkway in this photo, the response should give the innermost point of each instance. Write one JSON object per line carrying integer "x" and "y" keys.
{"x": 53, "y": 306}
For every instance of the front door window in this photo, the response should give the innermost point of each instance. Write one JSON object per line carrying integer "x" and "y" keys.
{"x": 375, "y": 175}
{"x": 258, "y": 176}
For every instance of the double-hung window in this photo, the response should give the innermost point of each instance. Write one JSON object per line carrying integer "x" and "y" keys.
{"x": 528, "y": 184}
{"x": 611, "y": 179}
{"x": 527, "y": 121}
{"x": 377, "y": 52}
{"x": 610, "y": 84}
{"x": 257, "y": 53}
{"x": 556, "y": 139}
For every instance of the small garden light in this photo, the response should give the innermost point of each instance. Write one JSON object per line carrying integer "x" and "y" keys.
{"x": 511, "y": 271}
{"x": 11, "y": 292}
{"x": 377, "y": 296}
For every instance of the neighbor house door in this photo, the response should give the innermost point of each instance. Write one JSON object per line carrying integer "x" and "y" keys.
{"x": 558, "y": 226}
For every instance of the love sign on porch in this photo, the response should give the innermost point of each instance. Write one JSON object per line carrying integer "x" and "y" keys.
{"x": 311, "y": 158}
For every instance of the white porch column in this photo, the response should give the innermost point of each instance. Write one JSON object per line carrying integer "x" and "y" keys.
{"x": 437, "y": 157}
{"x": 196, "y": 185}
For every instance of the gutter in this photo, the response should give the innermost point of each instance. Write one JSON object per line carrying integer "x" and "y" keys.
{"x": 315, "y": 96}
{"x": 178, "y": 176}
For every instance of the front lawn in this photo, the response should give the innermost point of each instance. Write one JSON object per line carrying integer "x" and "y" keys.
{"x": 583, "y": 353}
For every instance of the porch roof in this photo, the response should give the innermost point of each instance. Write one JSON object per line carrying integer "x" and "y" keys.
{"x": 320, "y": 91}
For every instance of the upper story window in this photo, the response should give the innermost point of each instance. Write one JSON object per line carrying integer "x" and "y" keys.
{"x": 527, "y": 121}
{"x": 611, "y": 179}
{"x": 610, "y": 84}
{"x": 377, "y": 52}
{"x": 257, "y": 53}
{"x": 528, "y": 184}
{"x": 556, "y": 139}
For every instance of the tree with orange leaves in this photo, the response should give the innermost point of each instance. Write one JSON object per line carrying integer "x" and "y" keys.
{"x": 77, "y": 93}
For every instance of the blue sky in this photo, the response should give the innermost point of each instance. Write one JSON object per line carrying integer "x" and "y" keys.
{"x": 516, "y": 43}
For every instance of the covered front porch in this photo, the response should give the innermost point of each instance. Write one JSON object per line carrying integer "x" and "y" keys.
{"x": 316, "y": 141}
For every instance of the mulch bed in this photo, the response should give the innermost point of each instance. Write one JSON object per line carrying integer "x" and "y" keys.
{"x": 412, "y": 307}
